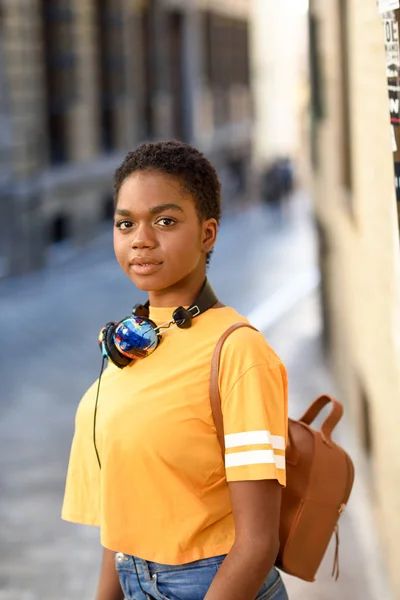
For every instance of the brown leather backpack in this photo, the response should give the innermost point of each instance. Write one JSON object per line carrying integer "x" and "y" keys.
{"x": 319, "y": 479}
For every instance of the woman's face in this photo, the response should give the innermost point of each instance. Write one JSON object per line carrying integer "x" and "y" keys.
{"x": 159, "y": 240}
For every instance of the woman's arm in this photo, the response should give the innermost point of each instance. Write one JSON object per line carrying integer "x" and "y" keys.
{"x": 109, "y": 588}
{"x": 256, "y": 511}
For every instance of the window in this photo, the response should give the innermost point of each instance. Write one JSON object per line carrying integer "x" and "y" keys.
{"x": 59, "y": 229}
{"x": 218, "y": 64}
{"x": 112, "y": 64}
{"x": 227, "y": 60}
{"x": 175, "y": 35}
{"x": 240, "y": 52}
{"x": 146, "y": 83}
{"x": 60, "y": 72}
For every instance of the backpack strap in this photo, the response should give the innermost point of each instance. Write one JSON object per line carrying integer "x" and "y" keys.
{"x": 215, "y": 397}
{"x": 331, "y": 420}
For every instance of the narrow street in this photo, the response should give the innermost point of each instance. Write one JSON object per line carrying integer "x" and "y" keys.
{"x": 50, "y": 321}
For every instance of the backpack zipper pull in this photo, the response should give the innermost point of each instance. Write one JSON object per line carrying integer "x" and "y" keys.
{"x": 335, "y": 570}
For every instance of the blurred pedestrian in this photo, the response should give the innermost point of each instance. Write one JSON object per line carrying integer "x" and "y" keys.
{"x": 146, "y": 465}
{"x": 277, "y": 185}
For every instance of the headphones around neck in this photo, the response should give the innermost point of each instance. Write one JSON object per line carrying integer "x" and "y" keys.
{"x": 138, "y": 336}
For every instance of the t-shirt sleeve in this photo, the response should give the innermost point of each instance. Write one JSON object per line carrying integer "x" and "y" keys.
{"x": 82, "y": 490}
{"x": 253, "y": 388}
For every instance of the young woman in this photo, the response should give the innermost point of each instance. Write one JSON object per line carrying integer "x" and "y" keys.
{"x": 177, "y": 523}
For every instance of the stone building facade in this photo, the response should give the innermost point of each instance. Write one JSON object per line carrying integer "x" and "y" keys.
{"x": 357, "y": 218}
{"x": 87, "y": 80}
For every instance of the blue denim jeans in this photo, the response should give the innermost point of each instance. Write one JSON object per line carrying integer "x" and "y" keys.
{"x": 145, "y": 580}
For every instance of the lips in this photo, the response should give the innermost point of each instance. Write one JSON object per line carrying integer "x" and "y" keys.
{"x": 145, "y": 260}
{"x": 144, "y": 265}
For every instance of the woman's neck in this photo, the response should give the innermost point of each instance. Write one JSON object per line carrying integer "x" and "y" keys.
{"x": 183, "y": 293}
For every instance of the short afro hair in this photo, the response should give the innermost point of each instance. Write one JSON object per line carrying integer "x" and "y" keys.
{"x": 177, "y": 159}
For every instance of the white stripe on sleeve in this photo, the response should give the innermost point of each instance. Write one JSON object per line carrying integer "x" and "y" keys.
{"x": 249, "y": 438}
{"x": 254, "y": 457}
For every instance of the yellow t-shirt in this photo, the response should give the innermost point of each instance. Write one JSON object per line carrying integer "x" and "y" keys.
{"x": 162, "y": 491}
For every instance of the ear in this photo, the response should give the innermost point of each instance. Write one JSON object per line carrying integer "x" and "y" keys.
{"x": 209, "y": 235}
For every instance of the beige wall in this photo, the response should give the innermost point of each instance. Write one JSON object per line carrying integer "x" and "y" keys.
{"x": 363, "y": 269}
{"x": 278, "y": 57}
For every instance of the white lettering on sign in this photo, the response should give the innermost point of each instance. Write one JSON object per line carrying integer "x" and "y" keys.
{"x": 394, "y": 105}
{"x": 392, "y": 48}
{"x": 391, "y": 31}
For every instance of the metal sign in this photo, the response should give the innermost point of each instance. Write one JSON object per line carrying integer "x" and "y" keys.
{"x": 391, "y": 26}
{"x": 392, "y": 53}
{"x": 392, "y": 47}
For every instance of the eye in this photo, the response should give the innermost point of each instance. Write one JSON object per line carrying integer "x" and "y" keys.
{"x": 123, "y": 225}
{"x": 166, "y": 221}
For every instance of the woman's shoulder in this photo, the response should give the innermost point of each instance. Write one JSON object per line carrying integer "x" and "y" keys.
{"x": 244, "y": 343}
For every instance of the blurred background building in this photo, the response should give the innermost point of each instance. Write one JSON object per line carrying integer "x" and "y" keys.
{"x": 355, "y": 205}
{"x": 279, "y": 81}
{"x": 86, "y": 81}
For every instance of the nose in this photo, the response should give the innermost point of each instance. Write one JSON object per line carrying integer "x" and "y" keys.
{"x": 144, "y": 238}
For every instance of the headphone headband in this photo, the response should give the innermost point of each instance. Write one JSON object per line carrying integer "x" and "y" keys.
{"x": 205, "y": 300}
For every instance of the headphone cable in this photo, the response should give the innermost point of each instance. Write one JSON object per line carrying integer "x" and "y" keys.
{"x": 95, "y": 412}
{"x": 98, "y": 457}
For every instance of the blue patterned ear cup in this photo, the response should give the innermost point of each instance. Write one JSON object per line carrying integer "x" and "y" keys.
{"x": 136, "y": 337}
{"x": 116, "y": 357}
